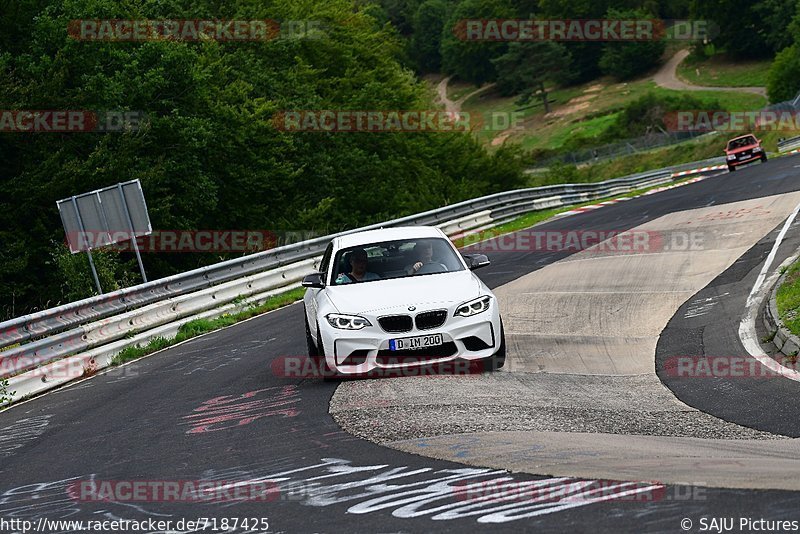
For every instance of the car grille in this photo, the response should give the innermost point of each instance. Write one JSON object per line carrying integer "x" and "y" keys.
{"x": 396, "y": 323}
{"x": 745, "y": 155}
{"x": 394, "y": 357}
{"x": 431, "y": 319}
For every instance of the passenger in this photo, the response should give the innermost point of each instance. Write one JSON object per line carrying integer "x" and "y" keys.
{"x": 358, "y": 269}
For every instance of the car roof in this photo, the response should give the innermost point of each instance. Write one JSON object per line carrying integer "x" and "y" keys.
{"x": 387, "y": 234}
{"x": 741, "y": 137}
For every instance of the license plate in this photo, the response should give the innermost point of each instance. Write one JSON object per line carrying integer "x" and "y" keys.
{"x": 415, "y": 343}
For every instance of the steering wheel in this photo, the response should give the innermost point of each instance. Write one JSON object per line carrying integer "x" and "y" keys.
{"x": 432, "y": 267}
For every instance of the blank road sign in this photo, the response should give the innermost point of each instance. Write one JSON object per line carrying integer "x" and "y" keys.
{"x": 105, "y": 216}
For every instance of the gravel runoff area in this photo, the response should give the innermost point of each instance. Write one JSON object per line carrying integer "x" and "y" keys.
{"x": 632, "y": 405}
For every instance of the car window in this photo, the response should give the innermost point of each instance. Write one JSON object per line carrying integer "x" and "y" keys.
{"x": 395, "y": 259}
{"x": 326, "y": 259}
{"x": 743, "y": 142}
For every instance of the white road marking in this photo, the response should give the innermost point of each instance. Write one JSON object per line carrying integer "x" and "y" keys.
{"x": 701, "y": 307}
{"x": 747, "y": 327}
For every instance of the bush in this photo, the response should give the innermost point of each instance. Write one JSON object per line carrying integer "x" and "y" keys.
{"x": 646, "y": 114}
{"x": 783, "y": 80}
{"x": 76, "y": 277}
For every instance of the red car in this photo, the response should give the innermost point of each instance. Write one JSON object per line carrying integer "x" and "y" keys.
{"x": 744, "y": 149}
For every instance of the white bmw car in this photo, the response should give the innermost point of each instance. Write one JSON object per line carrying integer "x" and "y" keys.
{"x": 400, "y": 298}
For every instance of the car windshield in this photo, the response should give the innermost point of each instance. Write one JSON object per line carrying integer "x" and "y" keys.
{"x": 395, "y": 259}
{"x": 733, "y": 144}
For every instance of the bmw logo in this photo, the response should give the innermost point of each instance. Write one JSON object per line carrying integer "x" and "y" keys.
{"x": 412, "y": 308}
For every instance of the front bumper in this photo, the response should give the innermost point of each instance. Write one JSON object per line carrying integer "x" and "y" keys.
{"x": 735, "y": 163}
{"x": 362, "y": 351}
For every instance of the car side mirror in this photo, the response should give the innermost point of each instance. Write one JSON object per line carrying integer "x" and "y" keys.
{"x": 476, "y": 261}
{"x": 313, "y": 280}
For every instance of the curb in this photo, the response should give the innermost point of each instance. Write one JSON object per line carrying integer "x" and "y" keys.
{"x": 701, "y": 170}
{"x": 787, "y": 343}
{"x": 591, "y": 207}
{"x": 673, "y": 186}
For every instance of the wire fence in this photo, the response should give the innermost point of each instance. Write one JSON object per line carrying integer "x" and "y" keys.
{"x": 647, "y": 142}
{"x": 622, "y": 148}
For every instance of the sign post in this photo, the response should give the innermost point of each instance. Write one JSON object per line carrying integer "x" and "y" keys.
{"x": 88, "y": 250}
{"x": 104, "y": 217}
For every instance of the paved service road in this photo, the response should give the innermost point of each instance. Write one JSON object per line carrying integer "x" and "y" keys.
{"x": 579, "y": 406}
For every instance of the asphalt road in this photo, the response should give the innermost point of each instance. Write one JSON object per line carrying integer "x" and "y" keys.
{"x": 213, "y": 409}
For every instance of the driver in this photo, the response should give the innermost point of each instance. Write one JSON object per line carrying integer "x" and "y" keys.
{"x": 358, "y": 269}
{"x": 423, "y": 251}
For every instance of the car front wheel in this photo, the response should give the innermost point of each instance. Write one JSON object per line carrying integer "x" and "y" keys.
{"x": 731, "y": 168}
{"x": 328, "y": 374}
{"x": 313, "y": 352}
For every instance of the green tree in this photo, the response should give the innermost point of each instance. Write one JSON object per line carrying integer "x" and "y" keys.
{"x": 739, "y": 23}
{"x": 428, "y": 24}
{"x": 783, "y": 80}
{"x": 774, "y": 17}
{"x": 525, "y": 68}
{"x": 627, "y": 59}
{"x": 471, "y": 60}
{"x": 585, "y": 55}
{"x": 400, "y": 13}
{"x": 210, "y": 155}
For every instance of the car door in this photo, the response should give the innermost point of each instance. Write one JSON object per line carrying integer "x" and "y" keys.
{"x": 315, "y": 293}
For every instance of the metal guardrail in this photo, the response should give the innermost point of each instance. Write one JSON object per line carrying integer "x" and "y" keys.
{"x": 52, "y": 334}
{"x": 789, "y": 144}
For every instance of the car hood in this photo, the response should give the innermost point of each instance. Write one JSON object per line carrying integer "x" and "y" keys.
{"x": 368, "y": 297}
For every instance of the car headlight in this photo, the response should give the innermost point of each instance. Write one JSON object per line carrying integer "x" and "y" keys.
{"x": 757, "y": 149}
{"x": 731, "y": 156}
{"x": 347, "y": 322}
{"x": 474, "y": 307}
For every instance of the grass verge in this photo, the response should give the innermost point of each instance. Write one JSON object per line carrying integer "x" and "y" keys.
{"x": 788, "y": 299}
{"x": 721, "y": 71}
{"x": 201, "y": 326}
